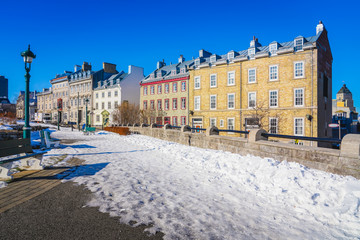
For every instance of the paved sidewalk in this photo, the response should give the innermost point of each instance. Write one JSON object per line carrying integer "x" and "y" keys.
{"x": 36, "y": 205}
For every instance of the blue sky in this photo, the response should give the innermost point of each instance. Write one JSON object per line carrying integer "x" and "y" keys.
{"x": 65, "y": 33}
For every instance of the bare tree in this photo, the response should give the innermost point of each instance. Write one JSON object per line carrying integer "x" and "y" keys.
{"x": 126, "y": 113}
{"x": 149, "y": 116}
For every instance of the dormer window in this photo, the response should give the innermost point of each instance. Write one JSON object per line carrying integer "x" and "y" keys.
{"x": 152, "y": 75}
{"x": 251, "y": 52}
{"x": 173, "y": 72}
{"x": 213, "y": 59}
{"x": 230, "y": 55}
{"x": 182, "y": 70}
{"x": 197, "y": 62}
{"x": 298, "y": 44}
{"x": 273, "y": 49}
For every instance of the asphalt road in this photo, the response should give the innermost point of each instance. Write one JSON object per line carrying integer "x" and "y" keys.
{"x": 60, "y": 214}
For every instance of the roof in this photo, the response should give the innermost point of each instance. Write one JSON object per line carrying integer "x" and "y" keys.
{"x": 108, "y": 80}
{"x": 167, "y": 72}
{"x": 344, "y": 89}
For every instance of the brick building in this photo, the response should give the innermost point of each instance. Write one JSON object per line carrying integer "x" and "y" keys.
{"x": 284, "y": 88}
{"x": 164, "y": 93}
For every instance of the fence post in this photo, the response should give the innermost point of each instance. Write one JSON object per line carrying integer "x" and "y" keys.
{"x": 212, "y": 131}
{"x": 185, "y": 128}
{"x": 350, "y": 146}
{"x": 255, "y": 135}
{"x": 167, "y": 126}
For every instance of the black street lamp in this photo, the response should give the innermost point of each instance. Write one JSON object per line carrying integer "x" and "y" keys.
{"x": 28, "y": 58}
{"x": 86, "y": 120}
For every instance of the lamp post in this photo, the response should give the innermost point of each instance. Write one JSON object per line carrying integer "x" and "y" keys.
{"x": 86, "y": 115}
{"x": 28, "y": 58}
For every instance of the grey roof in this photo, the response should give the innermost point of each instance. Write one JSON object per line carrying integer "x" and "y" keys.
{"x": 108, "y": 80}
{"x": 167, "y": 72}
{"x": 344, "y": 89}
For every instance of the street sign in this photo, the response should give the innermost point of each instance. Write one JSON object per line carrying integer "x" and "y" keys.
{"x": 333, "y": 125}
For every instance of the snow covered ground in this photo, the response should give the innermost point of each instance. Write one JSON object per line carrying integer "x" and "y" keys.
{"x": 193, "y": 193}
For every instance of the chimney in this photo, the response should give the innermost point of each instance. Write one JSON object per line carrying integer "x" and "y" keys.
{"x": 204, "y": 54}
{"x": 320, "y": 27}
{"x": 109, "y": 67}
{"x": 181, "y": 59}
{"x": 77, "y": 68}
{"x": 86, "y": 66}
{"x": 160, "y": 64}
{"x": 129, "y": 69}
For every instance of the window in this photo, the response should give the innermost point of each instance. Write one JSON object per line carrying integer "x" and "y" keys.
{"x": 213, "y": 59}
{"x": 197, "y": 103}
{"x": 197, "y": 82}
{"x": 174, "y": 103}
{"x": 102, "y": 105}
{"x": 298, "y": 44}
{"x": 183, "y": 120}
{"x": 231, "y": 100}
{"x": 166, "y": 120}
{"x": 159, "y": 89}
{"x": 273, "y": 125}
{"x": 252, "y": 75}
{"x": 273, "y": 98}
{"x": 159, "y": 120}
{"x": 298, "y": 69}
{"x": 251, "y": 53}
{"x": 299, "y": 97}
{"x": 182, "y": 70}
{"x": 231, "y": 78}
{"x": 116, "y": 104}
{"x": 299, "y": 126}
{"x": 145, "y": 105}
{"x": 71, "y": 102}
{"x": 166, "y": 104}
{"x": 183, "y": 103}
{"x": 152, "y": 89}
{"x": 116, "y": 93}
{"x": 212, "y": 122}
{"x": 197, "y": 62}
{"x": 109, "y": 94}
{"x": 273, "y": 49}
{"x": 252, "y": 99}
{"x": 212, "y": 102}
{"x": 273, "y": 73}
{"x": 103, "y": 94}
{"x": 174, "y": 85}
{"x": 109, "y": 105}
{"x": 230, "y": 55}
{"x": 145, "y": 91}
{"x": 213, "y": 80}
{"x": 152, "y": 105}
{"x": 166, "y": 88}
{"x": 159, "y": 104}
{"x": 230, "y": 123}
{"x": 174, "y": 121}
{"x": 96, "y": 105}
{"x": 221, "y": 122}
{"x": 98, "y": 118}
{"x": 183, "y": 86}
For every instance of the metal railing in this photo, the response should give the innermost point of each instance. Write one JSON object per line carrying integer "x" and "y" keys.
{"x": 315, "y": 139}
{"x": 233, "y": 131}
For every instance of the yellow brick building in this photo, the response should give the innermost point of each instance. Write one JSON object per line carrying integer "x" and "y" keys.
{"x": 281, "y": 87}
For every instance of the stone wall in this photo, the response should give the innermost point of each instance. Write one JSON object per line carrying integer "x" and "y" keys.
{"x": 344, "y": 162}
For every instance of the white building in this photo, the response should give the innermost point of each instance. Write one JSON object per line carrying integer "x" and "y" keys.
{"x": 112, "y": 90}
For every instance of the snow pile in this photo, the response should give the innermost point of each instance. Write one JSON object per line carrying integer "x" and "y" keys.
{"x": 192, "y": 193}
{"x": 5, "y": 127}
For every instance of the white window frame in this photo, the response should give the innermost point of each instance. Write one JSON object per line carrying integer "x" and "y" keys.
{"x": 228, "y": 95}
{"x": 277, "y": 98}
{"x": 197, "y": 62}
{"x": 303, "y": 126}
{"x": 296, "y": 46}
{"x": 249, "y": 100}
{"x": 231, "y": 55}
{"x": 212, "y": 59}
{"x": 251, "y": 53}
{"x": 252, "y": 69}
{"x": 197, "y": 98}
{"x": 221, "y": 122}
{"x": 197, "y": 80}
{"x": 229, "y": 124}
{"x": 167, "y": 87}
{"x": 273, "y": 49}
{"x": 303, "y": 69}
{"x": 277, "y": 73}
{"x": 276, "y": 127}
{"x": 228, "y": 78}
{"x": 211, "y": 96}
{"x": 213, "y": 119}
{"x": 303, "y": 97}
{"x": 213, "y": 86}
